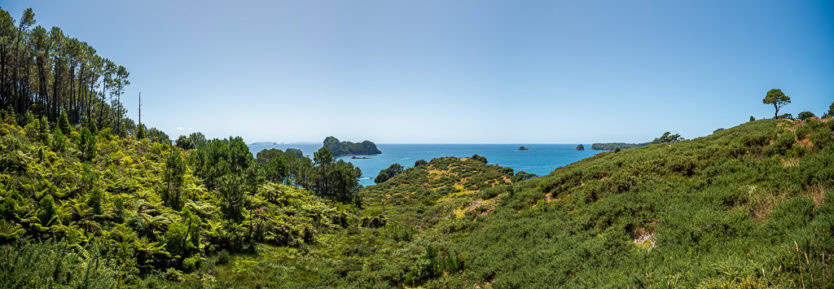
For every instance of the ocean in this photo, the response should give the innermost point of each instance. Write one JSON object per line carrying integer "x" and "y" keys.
{"x": 540, "y": 159}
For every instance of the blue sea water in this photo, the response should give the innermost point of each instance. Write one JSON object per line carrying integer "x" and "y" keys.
{"x": 540, "y": 159}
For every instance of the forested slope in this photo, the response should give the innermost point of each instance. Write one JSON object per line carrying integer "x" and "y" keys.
{"x": 126, "y": 212}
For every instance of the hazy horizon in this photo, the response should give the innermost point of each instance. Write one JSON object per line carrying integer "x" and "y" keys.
{"x": 456, "y": 72}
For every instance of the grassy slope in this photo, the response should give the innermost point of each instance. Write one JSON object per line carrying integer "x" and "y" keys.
{"x": 749, "y": 205}
{"x": 738, "y": 209}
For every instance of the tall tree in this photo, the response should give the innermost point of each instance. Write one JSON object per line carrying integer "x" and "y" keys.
{"x": 777, "y": 98}
{"x": 26, "y": 21}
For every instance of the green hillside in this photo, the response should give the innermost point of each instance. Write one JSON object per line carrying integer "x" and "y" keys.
{"x": 747, "y": 207}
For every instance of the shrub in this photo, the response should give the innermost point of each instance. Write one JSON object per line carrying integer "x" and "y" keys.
{"x": 51, "y": 264}
{"x": 95, "y": 199}
{"x": 174, "y": 178}
{"x": 63, "y": 122}
{"x": 176, "y": 240}
{"x": 222, "y": 257}
{"x": 494, "y": 191}
{"x": 805, "y": 115}
{"x": 87, "y": 145}
{"x": 786, "y": 116}
{"x": 59, "y": 141}
{"x": 390, "y": 172}
{"x": 46, "y": 210}
{"x": 191, "y": 263}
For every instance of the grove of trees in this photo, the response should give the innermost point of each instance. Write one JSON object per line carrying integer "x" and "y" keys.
{"x": 52, "y": 74}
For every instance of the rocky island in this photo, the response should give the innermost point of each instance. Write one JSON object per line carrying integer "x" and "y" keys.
{"x": 345, "y": 148}
{"x": 580, "y": 147}
{"x": 523, "y": 148}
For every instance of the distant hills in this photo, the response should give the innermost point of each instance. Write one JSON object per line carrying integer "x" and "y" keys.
{"x": 613, "y": 145}
{"x": 344, "y": 148}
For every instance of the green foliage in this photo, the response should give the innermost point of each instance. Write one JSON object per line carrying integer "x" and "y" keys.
{"x": 59, "y": 141}
{"x": 232, "y": 196}
{"x": 174, "y": 179}
{"x": 432, "y": 265}
{"x": 335, "y": 180}
{"x": 479, "y": 158}
{"x": 46, "y": 210}
{"x": 95, "y": 200}
{"x": 140, "y": 132}
{"x": 8, "y": 208}
{"x": 390, "y": 172}
{"x": 63, "y": 122}
{"x": 420, "y": 162}
{"x": 777, "y": 98}
{"x": 805, "y": 115}
{"x": 43, "y": 130}
{"x": 87, "y": 145}
{"x": 53, "y": 265}
{"x": 668, "y": 137}
{"x": 276, "y": 170}
{"x": 217, "y": 158}
{"x": 191, "y": 141}
{"x": 111, "y": 202}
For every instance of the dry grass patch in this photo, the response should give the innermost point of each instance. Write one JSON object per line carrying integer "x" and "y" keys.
{"x": 760, "y": 203}
{"x": 789, "y": 162}
{"x": 816, "y": 194}
{"x": 644, "y": 237}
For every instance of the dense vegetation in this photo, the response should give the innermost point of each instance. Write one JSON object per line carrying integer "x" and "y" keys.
{"x": 343, "y": 148}
{"x": 388, "y": 173}
{"x": 90, "y": 200}
{"x": 746, "y": 207}
{"x": 96, "y": 200}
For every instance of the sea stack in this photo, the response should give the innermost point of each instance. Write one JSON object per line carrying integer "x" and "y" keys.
{"x": 580, "y": 147}
{"x": 523, "y": 148}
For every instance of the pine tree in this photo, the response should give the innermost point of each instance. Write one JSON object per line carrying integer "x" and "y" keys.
{"x": 63, "y": 123}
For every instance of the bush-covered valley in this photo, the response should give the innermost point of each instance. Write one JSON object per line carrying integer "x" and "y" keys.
{"x": 746, "y": 207}
{"x": 90, "y": 199}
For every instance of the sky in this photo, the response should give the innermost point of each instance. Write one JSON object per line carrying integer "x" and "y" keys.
{"x": 478, "y": 71}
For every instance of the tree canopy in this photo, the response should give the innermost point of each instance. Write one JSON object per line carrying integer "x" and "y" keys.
{"x": 388, "y": 173}
{"x": 778, "y": 99}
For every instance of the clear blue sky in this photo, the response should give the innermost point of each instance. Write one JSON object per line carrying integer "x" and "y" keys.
{"x": 457, "y": 71}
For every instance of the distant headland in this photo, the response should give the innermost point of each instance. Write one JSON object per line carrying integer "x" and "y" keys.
{"x": 613, "y": 145}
